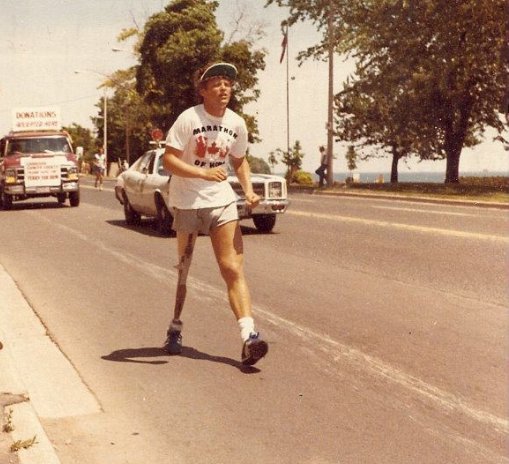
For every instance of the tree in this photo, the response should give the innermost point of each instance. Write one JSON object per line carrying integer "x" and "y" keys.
{"x": 375, "y": 113}
{"x": 351, "y": 158}
{"x": 258, "y": 165}
{"x": 447, "y": 57}
{"x": 128, "y": 118}
{"x": 182, "y": 38}
{"x": 81, "y": 137}
{"x": 292, "y": 159}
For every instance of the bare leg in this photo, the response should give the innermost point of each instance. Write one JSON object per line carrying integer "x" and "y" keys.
{"x": 228, "y": 248}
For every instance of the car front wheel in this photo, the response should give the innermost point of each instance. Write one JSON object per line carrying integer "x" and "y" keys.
{"x": 264, "y": 222}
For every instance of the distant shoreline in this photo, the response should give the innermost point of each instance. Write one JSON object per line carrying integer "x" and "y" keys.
{"x": 405, "y": 176}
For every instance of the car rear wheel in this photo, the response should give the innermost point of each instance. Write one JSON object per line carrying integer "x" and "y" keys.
{"x": 164, "y": 219}
{"x": 264, "y": 222}
{"x": 132, "y": 218}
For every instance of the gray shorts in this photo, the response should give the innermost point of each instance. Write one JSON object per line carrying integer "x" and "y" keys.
{"x": 203, "y": 220}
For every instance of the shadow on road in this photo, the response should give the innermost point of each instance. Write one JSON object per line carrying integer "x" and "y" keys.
{"x": 147, "y": 227}
{"x": 24, "y": 205}
{"x": 133, "y": 355}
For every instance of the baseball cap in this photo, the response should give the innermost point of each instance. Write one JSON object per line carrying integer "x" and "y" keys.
{"x": 220, "y": 69}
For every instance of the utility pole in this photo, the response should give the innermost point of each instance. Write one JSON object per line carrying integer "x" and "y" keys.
{"x": 330, "y": 142}
{"x": 105, "y": 129}
{"x": 287, "y": 92}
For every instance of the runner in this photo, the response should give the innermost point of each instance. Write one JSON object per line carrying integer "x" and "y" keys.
{"x": 99, "y": 168}
{"x": 198, "y": 146}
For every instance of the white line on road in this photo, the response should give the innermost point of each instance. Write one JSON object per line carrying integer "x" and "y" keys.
{"x": 336, "y": 350}
{"x": 396, "y": 225}
{"x": 426, "y": 211}
{"x": 377, "y": 367}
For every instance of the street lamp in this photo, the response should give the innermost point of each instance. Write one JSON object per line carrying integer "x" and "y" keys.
{"x": 105, "y": 113}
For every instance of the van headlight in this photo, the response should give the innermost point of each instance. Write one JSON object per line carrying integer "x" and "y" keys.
{"x": 72, "y": 173}
{"x": 11, "y": 176}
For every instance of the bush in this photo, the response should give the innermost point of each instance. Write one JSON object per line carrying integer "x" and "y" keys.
{"x": 302, "y": 178}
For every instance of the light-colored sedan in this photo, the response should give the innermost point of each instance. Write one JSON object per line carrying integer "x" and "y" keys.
{"x": 143, "y": 190}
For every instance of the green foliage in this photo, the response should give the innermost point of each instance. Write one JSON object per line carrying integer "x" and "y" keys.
{"x": 351, "y": 158}
{"x": 292, "y": 159}
{"x": 180, "y": 41}
{"x": 430, "y": 74}
{"x": 302, "y": 178}
{"x": 258, "y": 165}
{"x": 81, "y": 137}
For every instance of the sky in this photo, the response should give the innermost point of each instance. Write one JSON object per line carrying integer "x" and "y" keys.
{"x": 44, "y": 42}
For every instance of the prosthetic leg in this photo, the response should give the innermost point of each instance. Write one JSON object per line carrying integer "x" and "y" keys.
{"x": 173, "y": 344}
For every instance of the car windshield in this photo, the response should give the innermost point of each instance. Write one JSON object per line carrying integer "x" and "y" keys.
{"x": 160, "y": 168}
{"x": 39, "y": 145}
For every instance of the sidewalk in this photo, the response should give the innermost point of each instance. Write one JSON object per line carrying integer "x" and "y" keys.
{"x": 398, "y": 197}
{"x": 37, "y": 381}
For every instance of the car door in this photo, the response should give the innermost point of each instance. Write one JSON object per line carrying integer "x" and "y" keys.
{"x": 134, "y": 182}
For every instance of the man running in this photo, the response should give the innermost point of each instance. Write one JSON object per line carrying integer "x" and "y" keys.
{"x": 198, "y": 147}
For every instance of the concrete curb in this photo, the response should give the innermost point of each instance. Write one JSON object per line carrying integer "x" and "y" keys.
{"x": 25, "y": 420}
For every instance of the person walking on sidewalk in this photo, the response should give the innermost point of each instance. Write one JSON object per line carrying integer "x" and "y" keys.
{"x": 99, "y": 168}
{"x": 198, "y": 147}
{"x": 323, "y": 167}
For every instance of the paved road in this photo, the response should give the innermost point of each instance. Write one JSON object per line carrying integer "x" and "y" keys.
{"x": 387, "y": 324}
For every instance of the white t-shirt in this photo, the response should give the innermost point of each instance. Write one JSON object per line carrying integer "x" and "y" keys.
{"x": 100, "y": 160}
{"x": 206, "y": 141}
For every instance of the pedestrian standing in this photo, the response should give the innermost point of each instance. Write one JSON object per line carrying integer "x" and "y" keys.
{"x": 323, "y": 166}
{"x": 99, "y": 168}
{"x": 198, "y": 147}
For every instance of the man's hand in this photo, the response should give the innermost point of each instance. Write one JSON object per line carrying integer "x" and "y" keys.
{"x": 252, "y": 200}
{"x": 217, "y": 174}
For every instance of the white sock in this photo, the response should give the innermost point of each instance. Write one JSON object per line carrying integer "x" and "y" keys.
{"x": 246, "y": 325}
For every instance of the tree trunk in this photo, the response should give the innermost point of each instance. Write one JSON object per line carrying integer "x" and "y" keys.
{"x": 394, "y": 165}
{"x": 452, "y": 167}
{"x": 455, "y": 134}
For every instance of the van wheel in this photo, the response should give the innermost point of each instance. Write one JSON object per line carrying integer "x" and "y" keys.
{"x": 74, "y": 198}
{"x": 5, "y": 200}
{"x": 264, "y": 222}
{"x": 61, "y": 197}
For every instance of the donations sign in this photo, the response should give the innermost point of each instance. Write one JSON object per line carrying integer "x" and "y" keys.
{"x": 36, "y": 118}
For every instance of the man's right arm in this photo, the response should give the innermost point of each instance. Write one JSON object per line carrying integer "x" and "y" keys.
{"x": 172, "y": 162}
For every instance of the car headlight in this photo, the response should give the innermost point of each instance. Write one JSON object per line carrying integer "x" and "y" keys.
{"x": 275, "y": 190}
{"x": 11, "y": 176}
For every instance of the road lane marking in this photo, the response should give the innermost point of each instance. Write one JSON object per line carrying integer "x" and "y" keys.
{"x": 336, "y": 350}
{"x": 426, "y": 211}
{"x": 407, "y": 227}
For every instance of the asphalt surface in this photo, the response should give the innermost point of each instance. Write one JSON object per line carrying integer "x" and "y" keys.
{"x": 24, "y": 335}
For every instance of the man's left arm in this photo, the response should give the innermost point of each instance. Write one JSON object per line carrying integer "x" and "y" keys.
{"x": 243, "y": 173}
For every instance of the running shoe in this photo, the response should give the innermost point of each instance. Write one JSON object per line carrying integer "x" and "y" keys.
{"x": 173, "y": 343}
{"x": 254, "y": 349}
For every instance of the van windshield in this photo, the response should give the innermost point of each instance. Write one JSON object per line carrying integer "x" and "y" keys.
{"x": 39, "y": 145}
